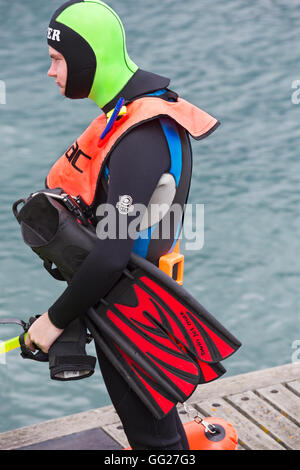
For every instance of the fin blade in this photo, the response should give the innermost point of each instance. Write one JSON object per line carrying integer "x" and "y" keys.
{"x": 161, "y": 340}
{"x": 157, "y": 355}
{"x": 198, "y": 330}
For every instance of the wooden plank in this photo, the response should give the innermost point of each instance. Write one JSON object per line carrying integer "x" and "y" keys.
{"x": 283, "y": 399}
{"x": 244, "y": 382}
{"x": 294, "y": 387}
{"x": 250, "y": 436}
{"x": 57, "y": 428}
{"x": 267, "y": 418}
{"x": 187, "y": 417}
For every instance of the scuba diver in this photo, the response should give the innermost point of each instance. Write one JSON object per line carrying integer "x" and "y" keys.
{"x": 137, "y": 154}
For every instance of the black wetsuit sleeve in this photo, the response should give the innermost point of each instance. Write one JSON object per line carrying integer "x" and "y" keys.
{"x": 135, "y": 168}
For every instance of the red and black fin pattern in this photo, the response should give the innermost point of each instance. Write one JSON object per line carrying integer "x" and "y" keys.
{"x": 161, "y": 340}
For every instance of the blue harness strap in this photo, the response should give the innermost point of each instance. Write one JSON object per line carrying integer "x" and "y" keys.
{"x": 173, "y": 139}
{"x": 170, "y": 130}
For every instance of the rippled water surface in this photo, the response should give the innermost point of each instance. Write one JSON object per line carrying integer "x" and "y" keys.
{"x": 235, "y": 59}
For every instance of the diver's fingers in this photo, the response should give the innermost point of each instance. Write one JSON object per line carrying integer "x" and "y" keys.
{"x": 29, "y": 344}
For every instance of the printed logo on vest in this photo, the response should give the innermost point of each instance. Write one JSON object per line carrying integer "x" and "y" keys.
{"x": 73, "y": 154}
{"x": 54, "y": 34}
{"x": 124, "y": 205}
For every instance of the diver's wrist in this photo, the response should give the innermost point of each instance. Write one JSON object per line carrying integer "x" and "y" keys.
{"x": 54, "y": 320}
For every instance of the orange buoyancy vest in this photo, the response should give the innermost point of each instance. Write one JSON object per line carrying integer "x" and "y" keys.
{"x": 77, "y": 171}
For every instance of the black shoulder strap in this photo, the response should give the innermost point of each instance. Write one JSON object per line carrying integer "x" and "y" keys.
{"x": 168, "y": 95}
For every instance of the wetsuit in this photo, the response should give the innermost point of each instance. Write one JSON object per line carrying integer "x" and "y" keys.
{"x": 134, "y": 168}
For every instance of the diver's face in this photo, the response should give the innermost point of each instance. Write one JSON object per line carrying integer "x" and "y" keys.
{"x": 58, "y": 69}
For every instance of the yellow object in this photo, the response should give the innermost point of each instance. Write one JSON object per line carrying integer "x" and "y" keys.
{"x": 10, "y": 344}
{"x": 168, "y": 262}
{"x": 123, "y": 111}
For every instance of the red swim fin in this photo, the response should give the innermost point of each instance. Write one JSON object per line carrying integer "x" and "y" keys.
{"x": 152, "y": 350}
{"x": 164, "y": 339}
{"x": 151, "y": 392}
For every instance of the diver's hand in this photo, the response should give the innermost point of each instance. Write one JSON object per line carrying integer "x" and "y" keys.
{"x": 42, "y": 333}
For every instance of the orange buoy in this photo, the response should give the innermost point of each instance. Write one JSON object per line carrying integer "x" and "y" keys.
{"x": 222, "y": 437}
{"x": 210, "y": 434}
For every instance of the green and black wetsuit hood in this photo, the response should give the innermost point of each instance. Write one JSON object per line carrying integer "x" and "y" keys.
{"x": 91, "y": 37}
